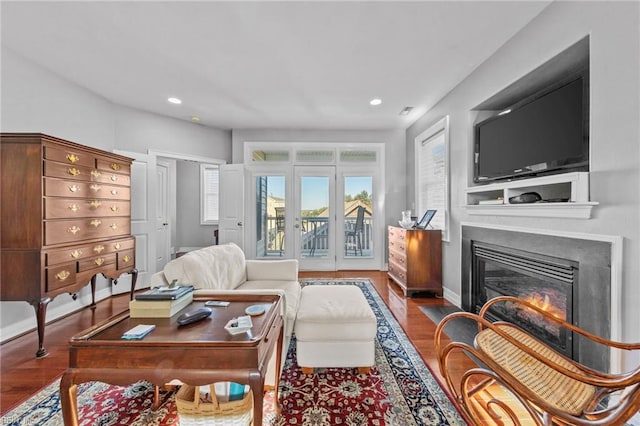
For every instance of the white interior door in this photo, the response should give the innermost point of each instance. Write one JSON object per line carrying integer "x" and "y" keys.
{"x": 143, "y": 224}
{"x": 163, "y": 217}
{"x": 231, "y": 220}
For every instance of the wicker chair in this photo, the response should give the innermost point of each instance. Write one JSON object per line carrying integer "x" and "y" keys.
{"x": 520, "y": 380}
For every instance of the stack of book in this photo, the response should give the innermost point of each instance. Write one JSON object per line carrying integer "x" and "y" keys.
{"x": 161, "y": 302}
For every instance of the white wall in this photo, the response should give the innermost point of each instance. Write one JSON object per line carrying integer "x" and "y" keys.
{"x": 36, "y": 100}
{"x": 396, "y": 178}
{"x": 614, "y": 29}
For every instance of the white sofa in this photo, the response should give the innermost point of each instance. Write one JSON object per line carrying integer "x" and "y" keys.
{"x": 223, "y": 268}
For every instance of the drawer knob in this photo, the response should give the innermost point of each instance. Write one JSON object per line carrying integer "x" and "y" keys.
{"x": 74, "y": 230}
{"x": 99, "y": 261}
{"x": 95, "y": 223}
{"x": 73, "y": 171}
{"x": 114, "y": 192}
{"x": 74, "y": 208}
{"x": 76, "y": 254}
{"x": 95, "y": 173}
{"x": 116, "y": 246}
{"x": 73, "y": 158}
{"x": 74, "y": 188}
{"x": 63, "y": 275}
{"x": 115, "y": 166}
{"x": 114, "y": 178}
{"x": 98, "y": 249}
{"x": 113, "y": 226}
{"x": 126, "y": 259}
{"x": 95, "y": 187}
{"x": 115, "y": 209}
{"x": 95, "y": 204}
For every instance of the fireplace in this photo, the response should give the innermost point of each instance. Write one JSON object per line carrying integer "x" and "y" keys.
{"x": 543, "y": 281}
{"x": 570, "y": 275}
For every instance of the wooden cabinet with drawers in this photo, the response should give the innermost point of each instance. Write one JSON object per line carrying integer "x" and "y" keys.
{"x": 66, "y": 217}
{"x": 415, "y": 259}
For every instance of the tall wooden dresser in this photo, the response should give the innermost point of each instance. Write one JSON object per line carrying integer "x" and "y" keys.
{"x": 415, "y": 259}
{"x": 65, "y": 218}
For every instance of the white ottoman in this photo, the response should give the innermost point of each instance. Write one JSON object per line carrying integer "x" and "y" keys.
{"x": 335, "y": 327}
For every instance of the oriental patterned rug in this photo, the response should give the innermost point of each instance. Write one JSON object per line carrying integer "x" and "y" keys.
{"x": 400, "y": 390}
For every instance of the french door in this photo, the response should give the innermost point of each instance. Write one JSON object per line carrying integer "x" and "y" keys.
{"x": 314, "y": 221}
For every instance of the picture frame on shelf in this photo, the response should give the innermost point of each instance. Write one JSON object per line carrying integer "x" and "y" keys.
{"x": 426, "y": 219}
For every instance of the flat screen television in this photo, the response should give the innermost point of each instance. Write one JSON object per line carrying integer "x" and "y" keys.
{"x": 544, "y": 134}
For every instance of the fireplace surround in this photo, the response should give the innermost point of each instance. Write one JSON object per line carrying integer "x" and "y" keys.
{"x": 572, "y": 273}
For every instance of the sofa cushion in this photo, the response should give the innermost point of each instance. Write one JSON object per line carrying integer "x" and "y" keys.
{"x": 291, "y": 295}
{"x": 216, "y": 267}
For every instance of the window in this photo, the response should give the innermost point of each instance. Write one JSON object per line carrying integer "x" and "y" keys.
{"x": 209, "y": 193}
{"x": 432, "y": 174}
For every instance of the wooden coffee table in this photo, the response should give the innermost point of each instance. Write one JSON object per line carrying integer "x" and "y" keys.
{"x": 198, "y": 354}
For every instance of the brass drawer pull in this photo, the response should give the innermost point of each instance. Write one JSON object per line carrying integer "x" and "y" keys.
{"x": 126, "y": 259}
{"x": 74, "y": 208}
{"x": 116, "y": 246}
{"x": 114, "y": 178}
{"x": 99, "y": 261}
{"x": 96, "y": 222}
{"x": 74, "y": 230}
{"x": 73, "y": 171}
{"x": 95, "y": 187}
{"x": 113, "y": 226}
{"x": 73, "y": 158}
{"x": 115, "y": 209}
{"x": 74, "y": 188}
{"x": 95, "y": 204}
{"x": 63, "y": 275}
{"x": 115, "y": 166}
{"x": 114, "y": 192}
{"x": 95, "y": 173}
{"x": 76, "y": 254}
{"x": 98, "y": 249}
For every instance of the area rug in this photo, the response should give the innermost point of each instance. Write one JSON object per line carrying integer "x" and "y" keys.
{"x": 400, "y": 390}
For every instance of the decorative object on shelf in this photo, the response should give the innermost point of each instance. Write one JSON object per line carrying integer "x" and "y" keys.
{"x": 426, "y": 219}
{"x": 406, "y": 221}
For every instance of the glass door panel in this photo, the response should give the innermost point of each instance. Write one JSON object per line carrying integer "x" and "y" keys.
{"x": 314, "y": 219}
{"x": 270, "y": 216}
{"x": 358, "y": 216}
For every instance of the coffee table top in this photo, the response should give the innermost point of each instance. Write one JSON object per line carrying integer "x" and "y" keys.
{"x": 208, "y": 332}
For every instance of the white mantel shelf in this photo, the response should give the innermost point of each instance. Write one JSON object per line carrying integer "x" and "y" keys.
{"x": 571, "y": 188}
{"x": 562, "y": 210}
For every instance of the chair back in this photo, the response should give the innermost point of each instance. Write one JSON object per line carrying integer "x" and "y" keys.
{"x": 360, "y": 219}
{"x": 279, "y": 219}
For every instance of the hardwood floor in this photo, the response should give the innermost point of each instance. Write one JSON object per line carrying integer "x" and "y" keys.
{"x": 22, "y": 375}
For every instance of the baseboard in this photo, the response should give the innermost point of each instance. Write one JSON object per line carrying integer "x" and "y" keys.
{"x": 53, "y": 313}
{"x": 452, "y": 297}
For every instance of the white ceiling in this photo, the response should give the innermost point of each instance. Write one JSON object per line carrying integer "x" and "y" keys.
{"x": 238, "y": 65}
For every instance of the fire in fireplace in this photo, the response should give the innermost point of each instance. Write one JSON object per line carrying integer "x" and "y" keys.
{"x": 544, "y": 281}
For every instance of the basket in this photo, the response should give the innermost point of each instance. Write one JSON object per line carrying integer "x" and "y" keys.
{"x": 194, "y": 412}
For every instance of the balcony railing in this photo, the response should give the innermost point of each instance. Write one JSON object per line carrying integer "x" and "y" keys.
{"x": 315, "y": 237}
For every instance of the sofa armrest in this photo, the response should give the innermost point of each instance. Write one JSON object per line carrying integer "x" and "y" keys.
{"x": 285, "y": 270}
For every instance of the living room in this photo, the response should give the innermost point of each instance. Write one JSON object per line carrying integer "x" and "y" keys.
{"x": 35, "y": 99}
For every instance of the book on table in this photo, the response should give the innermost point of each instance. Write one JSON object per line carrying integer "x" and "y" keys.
{"x": 165, "y": 292}
{"x": 149, "y": 308}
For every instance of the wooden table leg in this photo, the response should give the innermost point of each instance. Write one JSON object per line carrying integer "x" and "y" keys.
{"x": 256, "y": 382}
{"x": 40, "y": 307}
{"x": 69, "y": 399}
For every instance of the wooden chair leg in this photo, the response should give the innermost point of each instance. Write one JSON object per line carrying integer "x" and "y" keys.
{"x": 364, "y": 370}
{"x": 307, "y": 370}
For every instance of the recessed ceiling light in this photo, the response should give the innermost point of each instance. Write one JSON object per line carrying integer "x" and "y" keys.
{"x": 195, "y": 118}
{"x": 175, "y": 101}
{"x": 375, "y": 101}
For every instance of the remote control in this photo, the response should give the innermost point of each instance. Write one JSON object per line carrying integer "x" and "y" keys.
{"x": 193, "y": 316}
